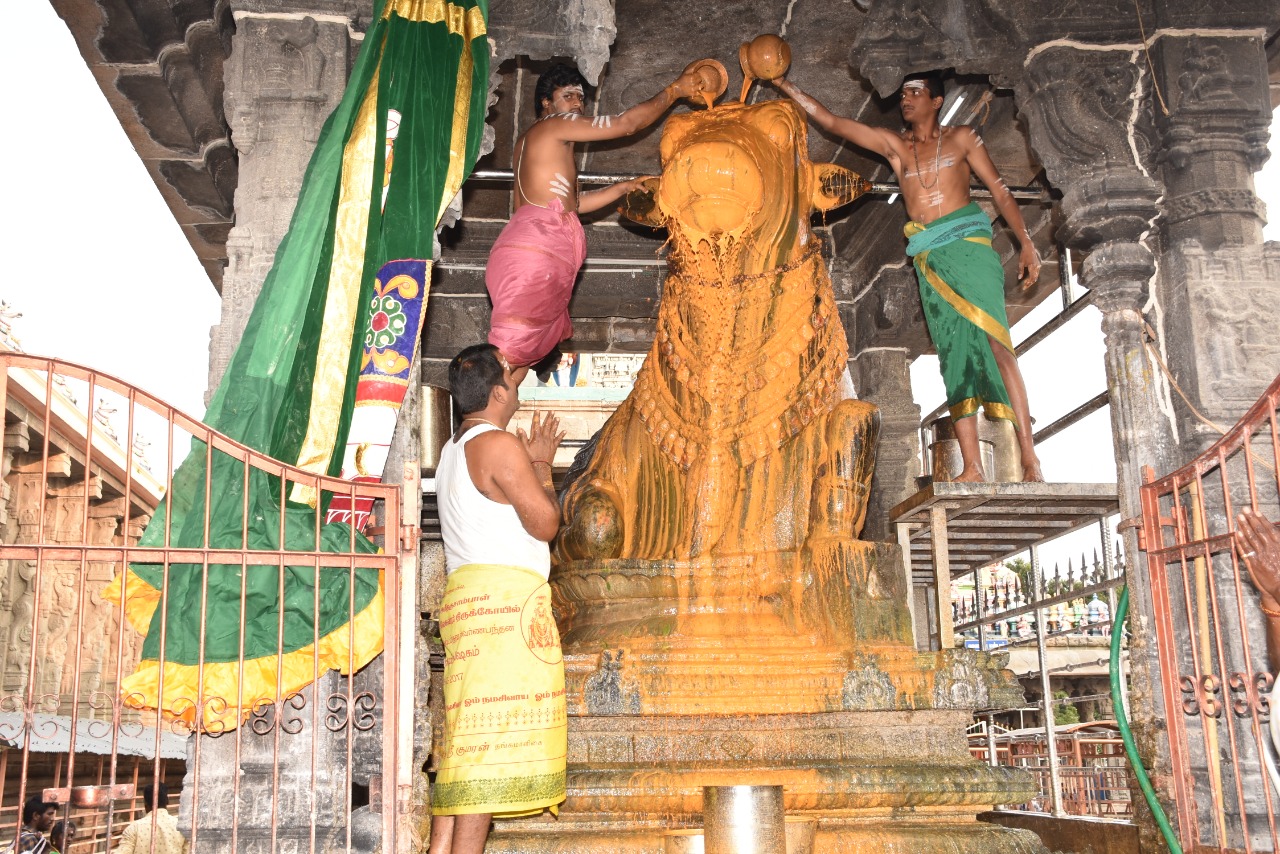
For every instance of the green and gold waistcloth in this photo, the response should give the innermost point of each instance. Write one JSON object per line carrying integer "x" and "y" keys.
{"x": 962, "y": 291}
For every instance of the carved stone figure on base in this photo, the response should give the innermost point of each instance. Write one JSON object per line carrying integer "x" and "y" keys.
{"x": 742, "y": 439}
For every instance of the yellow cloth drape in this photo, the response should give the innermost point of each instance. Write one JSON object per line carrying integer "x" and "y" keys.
{"x": 505, "y": 738}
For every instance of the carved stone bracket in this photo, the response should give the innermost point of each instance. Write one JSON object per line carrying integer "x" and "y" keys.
{"x": 1080, "y": 109}
{"x": 583, "y": 29}
{"x": 968, "y": 35}
{"x": 1117, "y": 273}
{"x": 1078, "y": 106}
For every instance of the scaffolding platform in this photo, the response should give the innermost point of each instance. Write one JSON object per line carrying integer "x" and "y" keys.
{"x": 970, "y": 525}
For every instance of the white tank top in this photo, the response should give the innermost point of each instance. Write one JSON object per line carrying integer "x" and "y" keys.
{"x": 477, "y": 529}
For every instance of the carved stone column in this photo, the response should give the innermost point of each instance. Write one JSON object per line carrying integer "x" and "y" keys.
{"x": 1219, "y": 280}
{"x": 885, "y": 325}
{"x": 1088, "y": 115}
{"x": 883, "y": 377}
{"x": 1218, "y": 283}
{"x": 288, "y": 67}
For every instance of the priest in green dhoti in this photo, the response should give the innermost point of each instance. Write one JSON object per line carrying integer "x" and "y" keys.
{"x": 949, "y": 239}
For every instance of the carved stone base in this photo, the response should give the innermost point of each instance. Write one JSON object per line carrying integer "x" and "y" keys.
{"x": 920, "y": 834}
{"x": 780, "y": 675}
{"x": 790, "y": 668}
{"x": 871, "y": 781}
{"x": 837, "y": 591}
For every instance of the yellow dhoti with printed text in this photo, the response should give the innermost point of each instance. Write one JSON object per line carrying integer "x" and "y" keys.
{"x": 505, "y": 741}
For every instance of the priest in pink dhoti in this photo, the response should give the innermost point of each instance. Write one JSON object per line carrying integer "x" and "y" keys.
{"x": 535, "y": 261}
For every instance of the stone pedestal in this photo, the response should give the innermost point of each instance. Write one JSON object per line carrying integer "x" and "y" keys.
{"x": 886, "y": 765}
{"x": 871, "y": 780}
{"x": 672, "y": 686}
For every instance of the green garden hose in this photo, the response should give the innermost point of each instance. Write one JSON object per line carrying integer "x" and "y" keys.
{"x": 1130, "y": 748}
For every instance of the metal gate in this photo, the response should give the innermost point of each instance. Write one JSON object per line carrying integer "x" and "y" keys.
{"x": 1210, "y": 635}
{"x": 320, "y": 762}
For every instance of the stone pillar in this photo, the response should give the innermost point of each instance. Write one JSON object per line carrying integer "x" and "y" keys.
{"x": 1089, "y": 119}
{"x": 883, "y": 377}
{"x": 886, "y": 330}
{"x": 1218, "y": 286}
{"x": 1219, "y": 280}
{"x": 288, "y": 67}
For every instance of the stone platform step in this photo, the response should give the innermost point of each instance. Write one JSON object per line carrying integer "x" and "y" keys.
{"x": 676, "y": 789}
{"x": 834, "y": 835}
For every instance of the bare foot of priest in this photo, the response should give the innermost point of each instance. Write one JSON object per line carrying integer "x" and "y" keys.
{"x": 971, "y": 474}
{"x": 1031, "y": 472}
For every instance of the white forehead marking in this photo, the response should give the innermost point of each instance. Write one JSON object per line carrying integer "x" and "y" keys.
{"x": 913, "y": 84}
{"x": 572, "y": 90}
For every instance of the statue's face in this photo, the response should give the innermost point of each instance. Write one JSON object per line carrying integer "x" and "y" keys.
{"x": 738, "y": 173}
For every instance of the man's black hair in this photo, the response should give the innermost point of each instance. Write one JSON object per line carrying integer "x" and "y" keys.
{"x": 932, "y": 82}
{"x": 156, "y": 796}
{"x": 473, "y": 374}
{"x": 35, "y": 806}
{"x": 556, "y": 77}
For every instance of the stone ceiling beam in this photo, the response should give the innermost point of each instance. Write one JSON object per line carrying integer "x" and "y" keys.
{"x": 160, "y": 66}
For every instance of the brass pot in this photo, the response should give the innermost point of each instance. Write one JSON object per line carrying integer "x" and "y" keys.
{"x": 743, "y": 820}
{"x": 765, "y": 57}
{"x": 713, "y": 77}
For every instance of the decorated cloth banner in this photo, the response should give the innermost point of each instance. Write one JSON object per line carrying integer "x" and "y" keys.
{"x": 225, "y": 639}
{"x": 391, "y": 335}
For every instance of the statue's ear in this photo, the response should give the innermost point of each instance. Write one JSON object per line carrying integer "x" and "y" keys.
{"x": 641, "y": 205}
{"x": 834, "y": 186}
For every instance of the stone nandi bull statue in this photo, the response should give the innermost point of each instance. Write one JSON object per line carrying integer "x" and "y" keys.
{"x": 722, "y": 624}
{"x": 731, "y": 484}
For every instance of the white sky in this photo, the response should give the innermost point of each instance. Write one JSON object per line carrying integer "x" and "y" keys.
{"x": 91, "y": 255}
{"x": 103, "y": 276}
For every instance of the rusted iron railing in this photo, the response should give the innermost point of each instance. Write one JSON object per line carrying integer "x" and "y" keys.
{"x": 1210, "y": 635}
{"x": 1093, "y": 777}
{"x": 315, "y": 768}
{"x": 1062, "y": 612}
